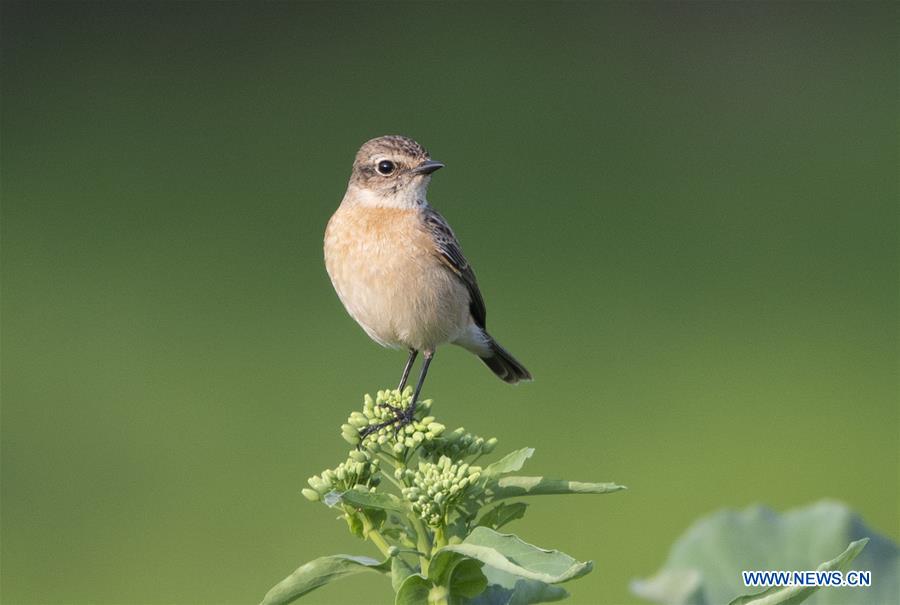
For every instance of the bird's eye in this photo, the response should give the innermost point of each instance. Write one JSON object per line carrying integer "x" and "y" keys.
{"x": 385, "y": 167}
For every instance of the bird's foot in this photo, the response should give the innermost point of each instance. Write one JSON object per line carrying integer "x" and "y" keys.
{"x": 408, "y": 415}
{"x": 402, "y": 417}
{"x": 372, "y": 429}
{"x": 394, "y": 408}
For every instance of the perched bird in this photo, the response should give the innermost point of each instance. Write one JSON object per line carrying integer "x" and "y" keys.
{"x": 398, "y": 268}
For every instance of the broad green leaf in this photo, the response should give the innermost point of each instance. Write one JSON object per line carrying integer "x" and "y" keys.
{"x": 508, "y": 589}
{"x": 400, "y": 570}
{"x": 462, "y": 574}
{"x": 502, "y": 514}
{"x": 380, "y": 501}
{"x": 441, "y": 564}
{"x": 704, "y": 565}
{"x": 793, "y": 595}
{"x": 508, "y": 553}
{"x": 414, "y": 591}
{"x": 509, "y": 463}
{"x": 512, "y": 487}
{"x": 672, "y": 587}
{"x": 467, "y": 580}
{"x": 319, "y": 572}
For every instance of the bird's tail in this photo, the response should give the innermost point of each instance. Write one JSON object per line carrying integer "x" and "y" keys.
{"x": 504, "y": 365}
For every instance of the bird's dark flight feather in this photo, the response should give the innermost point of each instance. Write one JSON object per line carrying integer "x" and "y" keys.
{"x": 450, "y": 253}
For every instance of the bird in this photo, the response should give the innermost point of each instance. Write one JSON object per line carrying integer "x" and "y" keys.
{"x": 398, "y": 267}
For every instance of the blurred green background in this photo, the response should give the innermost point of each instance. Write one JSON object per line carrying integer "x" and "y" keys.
{"x": 683, "y": 218}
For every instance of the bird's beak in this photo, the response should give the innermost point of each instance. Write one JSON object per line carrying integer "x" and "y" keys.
{"x": 427, "y": 167}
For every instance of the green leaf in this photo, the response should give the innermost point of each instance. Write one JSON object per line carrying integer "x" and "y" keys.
{"x": 513, "y": 487}
{"x": 508, "y": 589}
{"x": 413, "y": 591}
{"x": 319, "y": 572}
{"x": 509, "y": 463}
{"x": 400, "y": 570}
{"x": 462, "y": 574}
{"x": 441, "y": 564}
{"x": 704, "y": 565}
{"x": 467, "y": 579}
{"x": 502, "y": 514}
{"x": 452, "y": 578}
{"x": 793, "y": 595}
{"x": 508, "y": 553}
{"x": 380, "y": 501}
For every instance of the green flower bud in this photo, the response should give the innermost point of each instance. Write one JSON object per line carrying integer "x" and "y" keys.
{"x": 359, "y": 456}
{"x": 310, "y": 494}
{"x": 358, "y": 420}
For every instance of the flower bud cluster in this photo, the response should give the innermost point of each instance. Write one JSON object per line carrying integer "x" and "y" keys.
{"x": 458, "y": 444}
{"x": 384, "y": 410}
{"x": 436, "y": 487}
{"x": 360, "y": 470}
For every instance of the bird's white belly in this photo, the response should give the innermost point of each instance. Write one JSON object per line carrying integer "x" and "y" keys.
{"x": 392, "y": 284}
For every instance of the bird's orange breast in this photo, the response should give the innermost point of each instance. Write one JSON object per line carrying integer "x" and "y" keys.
{"x": 383, "y": 265}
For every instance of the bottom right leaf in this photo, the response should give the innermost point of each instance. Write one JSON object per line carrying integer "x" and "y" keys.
{"x": 704, "y": 566}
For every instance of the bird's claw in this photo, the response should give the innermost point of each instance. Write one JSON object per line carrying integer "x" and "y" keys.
{"x": 402, "y": 417}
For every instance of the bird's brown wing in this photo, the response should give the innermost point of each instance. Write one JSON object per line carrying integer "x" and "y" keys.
{"x": 448, "y": 250}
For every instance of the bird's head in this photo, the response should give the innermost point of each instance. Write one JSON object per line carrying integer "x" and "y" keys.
{"x": 391, "y": 171}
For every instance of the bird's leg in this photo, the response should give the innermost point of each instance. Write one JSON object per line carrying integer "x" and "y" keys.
{"x": 399, "y": 413}
{"x": 405, "y": 416}
{"x": 409, "y": 364}
{"x": 410, "y": 411}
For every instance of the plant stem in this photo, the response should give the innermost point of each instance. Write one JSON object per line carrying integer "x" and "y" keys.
{"x": 439, "y": 539}
{"x": 390, "y": 460}
{"x": 439, "y": 596}
{"x": 375, "y": 536}
{"x": 379, "y": 541}
{"x": 396, "y": 483}
{"x": 423, "y": 542}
